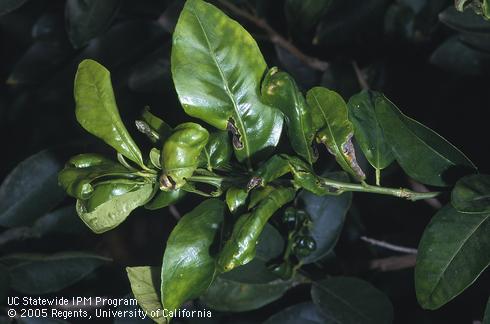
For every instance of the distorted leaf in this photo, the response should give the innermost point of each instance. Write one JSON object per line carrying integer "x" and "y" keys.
{"x": 165, "y": 198}
{"x": 217, "y": 152}
{"x": 348, "y": 300}
{"x": 471, "y": 194}
{"x": 368, "y": 131}
{"x": 180, "y": 154}
{"x": 31, "y": 189}
{"x": 97, "y": 112}
{"x": 188, "y": 264}
{"x": 336, "y": 131}
{"x": 116, "y": 202}
{"x": 280, "y": 91}
{"x": 236, "y": 198}
{"x": 452, "y": 253}
{"x": 422, "y": 153}
{"x": 217, "y": 68}
{"x": 145, "y": 285}
{"x": 86, "y": 19}
{"x": 36, "y": 274}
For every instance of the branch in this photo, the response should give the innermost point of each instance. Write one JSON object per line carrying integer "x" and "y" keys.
{"x": 364, "y": 187}
{"x": 361, "y": 78}
{"x": 393, "y": 263}
{"x": 276, "y": 38}
{"x": 389, "y": 246}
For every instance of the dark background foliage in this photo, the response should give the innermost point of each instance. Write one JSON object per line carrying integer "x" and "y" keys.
{"x": 432, "y": 62}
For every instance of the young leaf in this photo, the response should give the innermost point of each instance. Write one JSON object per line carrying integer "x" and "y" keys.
{"x": 423, "y": 154}
{"x": 30, "y": 190}
{"x": 336, "y": 131}
{"x": 145, "y": 284}
{"x": 350, "y": 301}
{"x": 165, "y": 198}
{"x": 37, "y": 274}
{"x": 154, "y": 127}
{"x": 327, "y": 215}
{"x": 241, "y": 247}
{"x": 236, "y": 198}
{"x": 180, "y": 155}
{"x": 217, "y": 68}
{"x": 279, "y": 90}
{"x": 96, "y": 109}
{"x": 188, "y": 266}
{"x": 305, "y": 313}
{"x": 114, "y": 205}
{"x": 453, "y": 252}
{"x": 367, "y": 129}
{"x": 85, "y": 19}
{"x": 217, "y": 152}
{"x": 471, "y": 194}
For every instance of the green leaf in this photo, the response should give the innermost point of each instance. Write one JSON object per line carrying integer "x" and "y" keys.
{"x": 145, "y": 284}
{"x": 327, "y": 214}
{"x": 471, "y": 194}
{"x": 452, "y": 253}
{"x": 63, "y": 220}
{"x": 467, "y": 21}
{"x": 279, "y": 90}
{"x": 303, "y": 15}
{"x": 165, "y": 198}
{"x": 4, "y": 283}
{"x": 217, "y": 152}
{"x": 30, "y": 190}
{"x": 236, "y": 198}
{"x": 37, "y": 274}
{"x": 347, "y": 300}
{"x": 82, "y": 171}
{"x": 368, "y": 131}
{"x": 241, "y": 247}
{"x": 336, "y": 131}
{"x": 180, "y": 155}
{"x": 7, "y": 6}
{"x": 114, "y": 205}
{"x": 97, "y": 112}
{"x": 217, "y": 68}
{"x": 304, "y": 313}
{"x": 234, "y": 296}
{"x": 188, "y": 265}
{"x": 153, "y": 127}
{"x": 422, "y": 153}
{"x": 86, "y": 19}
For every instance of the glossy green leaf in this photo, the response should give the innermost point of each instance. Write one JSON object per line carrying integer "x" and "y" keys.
{"x": 7, "y": 6}
{"x": 471, "y": 194}
{"x": 217, "y": 152}
{"x": 423, "y": 154}
{"x": 327, "y": 214}
{"x": 453, "y": 252}
{"x": 30, "y": 190}
{"x": 336, "y": 131}
{"x": 346, "y": 300}
{"x": 188, "y": 264}
{"x": 368, "y": 131}
{"x": 279, "y": 90}
{"x": 305, "y": 14}
{"x": 155, "y": 158}
{"x": 81, "y": 171}
{"x": 241, "y": 247}
{"x": 304, "y": 313}
{"x": 236, "y": 198}
{"x": 165, "y": 198}
{"x": 114, "y": 205}
{"x": 217, "y": 68}
{"x": 97, "y": 112}
{"x": 180, "y": 155}
{"x": 233, "y": 296}
{"x": 4, "y": 283}
{"x": 86, "y": 19}
{"x": 272, "y": 169}
{"x": 36, "y": 274}
{"x": 153, "y": 127}
{"x": 145, "y": 285}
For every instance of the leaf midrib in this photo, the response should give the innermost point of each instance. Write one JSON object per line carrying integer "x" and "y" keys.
{"x": 238, "y": 119}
